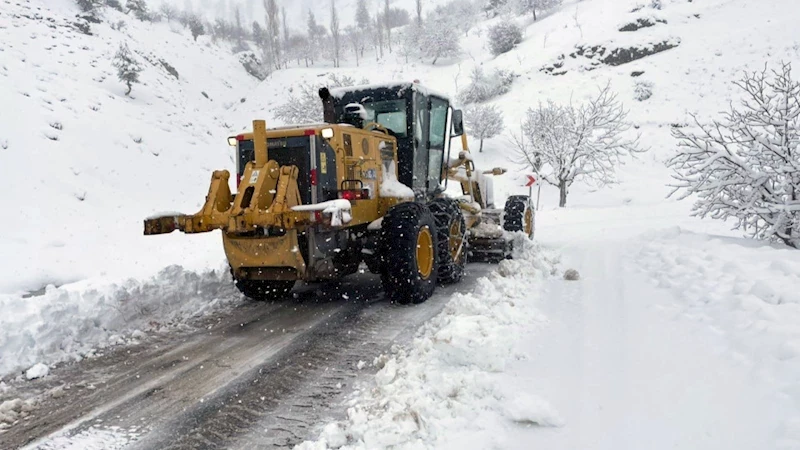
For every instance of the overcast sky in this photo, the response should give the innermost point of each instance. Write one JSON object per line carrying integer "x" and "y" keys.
{"x": 296, "y": 10}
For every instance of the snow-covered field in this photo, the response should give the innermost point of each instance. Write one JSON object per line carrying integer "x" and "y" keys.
{"x": 679, "y": 334}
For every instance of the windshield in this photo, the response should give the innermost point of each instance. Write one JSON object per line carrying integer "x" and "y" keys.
{"x": 389, "y": 113}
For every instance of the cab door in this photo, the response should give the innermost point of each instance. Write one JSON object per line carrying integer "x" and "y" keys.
{"x": 438, "y": 138}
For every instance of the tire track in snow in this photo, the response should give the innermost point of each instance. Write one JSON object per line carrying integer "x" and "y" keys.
{"x": 276, "y": 367}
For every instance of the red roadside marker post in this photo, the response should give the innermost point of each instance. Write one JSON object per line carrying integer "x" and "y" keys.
{"x": 529, "y": 184}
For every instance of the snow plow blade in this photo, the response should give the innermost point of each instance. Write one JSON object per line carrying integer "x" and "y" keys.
{"x": 160, "y": 225}
{"x": 267, "y": 201}
{"x": 487, "y": 249}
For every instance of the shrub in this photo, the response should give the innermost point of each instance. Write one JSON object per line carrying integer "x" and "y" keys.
{"x": 484, "y": 87}
{"x": 503, "y": 37}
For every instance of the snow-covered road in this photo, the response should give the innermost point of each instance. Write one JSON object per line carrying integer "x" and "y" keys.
{"x": 628, "y": 366}
{"x": 264, "y": 374}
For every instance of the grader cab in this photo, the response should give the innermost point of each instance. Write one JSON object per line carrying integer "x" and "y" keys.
{"x": 313, "y": 202}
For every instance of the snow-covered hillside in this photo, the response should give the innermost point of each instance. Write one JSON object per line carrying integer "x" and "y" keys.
{"x": 83, "y": 163}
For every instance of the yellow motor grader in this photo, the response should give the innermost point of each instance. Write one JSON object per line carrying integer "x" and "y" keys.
{"x": 315, "y": 201}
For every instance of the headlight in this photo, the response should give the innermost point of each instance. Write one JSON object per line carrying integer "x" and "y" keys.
{"x": 327, "y": 133}
{"x": 232, "y": 141}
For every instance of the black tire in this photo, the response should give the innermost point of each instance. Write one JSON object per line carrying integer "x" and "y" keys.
{"x": 450, "y": 232}
{"x": 519, "y": 215}
{"x": 405, "y": 278}
{"x": 265, "y": 290}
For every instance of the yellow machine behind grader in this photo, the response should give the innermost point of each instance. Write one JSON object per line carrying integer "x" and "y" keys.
{"x": 315, "y": 201}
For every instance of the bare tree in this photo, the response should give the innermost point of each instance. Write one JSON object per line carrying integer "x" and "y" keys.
{"x": 356, "y": 39}
{"x": 484, "y": 122}
{"x": 418, "y": 4}
{"x": 584, "y": 143}
{"x": 168, "y": 11}
{"x": 532, "y": 6}
{"x": 526, "y": 155}
{"x": 747, "y": 166}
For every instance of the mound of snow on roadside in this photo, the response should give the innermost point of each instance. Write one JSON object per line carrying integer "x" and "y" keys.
{"x": 745, "y": 290}
{"x": 447, "y": 382}
{"x": 111, "y": 438}
{"x": 72, "y": 321}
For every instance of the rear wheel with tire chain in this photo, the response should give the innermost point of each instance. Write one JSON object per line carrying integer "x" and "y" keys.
{"x": 452, "y": 243}
{"x": 518, "y": 215}
{"x": 408, "y": 249}
{"x": 265, "y": 290}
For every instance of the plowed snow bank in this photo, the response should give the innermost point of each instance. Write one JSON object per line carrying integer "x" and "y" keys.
{"x": 72, "y": 321}
{"x": 447, "y": 381}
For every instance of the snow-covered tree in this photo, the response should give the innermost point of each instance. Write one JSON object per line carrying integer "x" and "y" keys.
{"x": 503, "y": 37}
{"x": 483, "y": 122}
{"x": 335, "y": 35}
{"x": 584, "y": 143}
{"x": 408, "y": 41}
{"x": 139, "y": 8}
{"x": 466, "y": 14}
{"x": 128, "y": 68}
{"x": 91, "y": 7}
{"x": 238, "y": 30}
{"x": 304, "y": 104}
{"x": 494, "y": 7}
{"x": 273, "y": 47}
{"x": 377, "y": 34}
{"x": 363, "y": 26}
{"x": 483, "y": 86}
{"x": 437, "y": 40}
{"x": 385, "y": 19}
{"x": 396, "y": 17}
{"x": 363, "y": 19}
{"x": 747, "y": 165}
{"x": 459, "y": 14}
{"x": 316, "y": 35}
{"x": 115, "y": 4}
{"x": 258, "y": 33}
{"x": 196, "y": 26}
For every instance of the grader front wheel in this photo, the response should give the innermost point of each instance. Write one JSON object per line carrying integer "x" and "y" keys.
{"x": 408, "y": 246}
{"x": 452, "y": 248}
{"x": 519, "y": 215}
